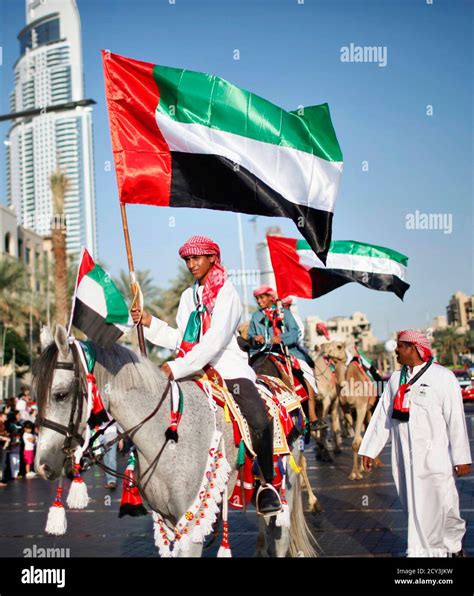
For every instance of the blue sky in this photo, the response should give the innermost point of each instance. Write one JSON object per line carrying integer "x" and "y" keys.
{"x": 290, "y": 54}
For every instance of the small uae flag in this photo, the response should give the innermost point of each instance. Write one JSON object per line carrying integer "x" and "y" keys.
{"x": 99, "y": 309}
{"x": 187, "y": 139}
{"x": 299, "y": 272}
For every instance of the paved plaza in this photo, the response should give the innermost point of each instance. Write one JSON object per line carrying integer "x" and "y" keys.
{"x": 359, "y": 518}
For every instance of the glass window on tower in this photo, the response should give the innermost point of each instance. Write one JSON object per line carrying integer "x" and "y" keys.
{"x": 26, "y": 41}
{"x": 46, "y": 32}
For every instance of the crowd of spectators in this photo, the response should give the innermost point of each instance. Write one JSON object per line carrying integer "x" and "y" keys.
{"x": 18, "y": 434}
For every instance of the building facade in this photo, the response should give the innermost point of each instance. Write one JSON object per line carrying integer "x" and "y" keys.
{"x": 357, "y": 328}
{"x": 460, "y": 311}
{"x": 32, "y": 249}
{"x": 49, "y": 73}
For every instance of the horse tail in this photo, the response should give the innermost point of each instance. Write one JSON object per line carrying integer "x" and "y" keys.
{"x": 302, "y": 541}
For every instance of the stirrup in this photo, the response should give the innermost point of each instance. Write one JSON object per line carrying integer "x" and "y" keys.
{"x": 261, "y": 488}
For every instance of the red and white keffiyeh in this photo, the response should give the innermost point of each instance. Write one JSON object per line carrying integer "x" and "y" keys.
{"x": 265, "y": 290}
{"x": 203, "y": 245}
{"x": 420, "y": 341}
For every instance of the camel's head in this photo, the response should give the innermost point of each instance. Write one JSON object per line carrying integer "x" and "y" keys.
{"x": 335, "y": 350}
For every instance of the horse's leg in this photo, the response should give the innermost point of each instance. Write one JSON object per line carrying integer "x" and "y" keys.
{"x": 361, "y": 409}
{"x": 336, "y": 426}
{"x": 313, "y": 503}
{"x": 261, "y": 549}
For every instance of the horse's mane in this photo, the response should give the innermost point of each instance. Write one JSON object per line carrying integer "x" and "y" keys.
{"x": 43, "y": 371}
{"x": 137, "y": 371}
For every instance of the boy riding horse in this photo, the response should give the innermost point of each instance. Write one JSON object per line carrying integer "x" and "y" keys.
{"x": 207, "y": 319}
{"x": 271, "y": 330}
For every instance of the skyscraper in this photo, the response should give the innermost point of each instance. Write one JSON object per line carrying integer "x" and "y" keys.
{"x": 49, "y": 73}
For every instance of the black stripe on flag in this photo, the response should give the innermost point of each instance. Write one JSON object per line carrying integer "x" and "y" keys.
{"x": 215, "y": 182}
{"x": 94, "y": 326}
{"x": 326, "y": 280}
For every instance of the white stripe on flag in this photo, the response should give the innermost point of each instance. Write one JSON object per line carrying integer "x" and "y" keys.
{"x": 352, "y": 263}
{"x": 301, "y": 178}
{"x": 92, "y": 294}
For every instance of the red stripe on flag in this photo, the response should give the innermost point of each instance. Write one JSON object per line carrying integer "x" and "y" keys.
{"x": 87, "y": 264}
{"x": 292, "y": 279}
{"x": 142, "y": 156}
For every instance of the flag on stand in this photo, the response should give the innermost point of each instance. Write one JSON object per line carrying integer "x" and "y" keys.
{"x": 99, "y": 309}
{"x": 186, "y": 139}
{"x": 299, "y": 272}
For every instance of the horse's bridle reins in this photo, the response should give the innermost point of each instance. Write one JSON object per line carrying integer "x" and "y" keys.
{"x": 71, "y": 431}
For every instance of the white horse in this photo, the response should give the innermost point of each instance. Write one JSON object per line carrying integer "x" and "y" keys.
{"x": 169, "y": 474}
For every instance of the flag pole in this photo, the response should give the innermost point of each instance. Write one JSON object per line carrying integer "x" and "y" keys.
{"x": 243, "y": 269}
{"x": 133, "y": 278}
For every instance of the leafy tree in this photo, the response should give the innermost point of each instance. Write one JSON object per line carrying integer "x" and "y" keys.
{"x": 449, "y": 343}
{"x": 168, "y": 300}
{"x": 14, "y": 293}
{"x": 14, "y": 341}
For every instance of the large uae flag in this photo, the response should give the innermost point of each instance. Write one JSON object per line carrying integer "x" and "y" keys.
{"x": 99, "y": 309}
{"x": 186, "y": 139}
{"x": 299, "y": 272}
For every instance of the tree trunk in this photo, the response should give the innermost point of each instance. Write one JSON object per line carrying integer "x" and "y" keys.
{"x": 60, "y": 277}
{"x": 59, "y": 184}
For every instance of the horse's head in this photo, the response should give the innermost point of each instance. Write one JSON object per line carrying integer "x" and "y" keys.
{"x": 60, "y": 400}
{"x": 335, "y": 350}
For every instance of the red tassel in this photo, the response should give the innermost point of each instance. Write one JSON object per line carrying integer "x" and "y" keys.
{"x": 98, "y": 414}
{"x": 131, "y": 503}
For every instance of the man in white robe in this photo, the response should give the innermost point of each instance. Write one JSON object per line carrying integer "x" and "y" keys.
{"x": 430, "y": 445}
{"x": 208, "y": 316}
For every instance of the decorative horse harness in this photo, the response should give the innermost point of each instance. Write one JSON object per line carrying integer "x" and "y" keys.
{"x": 71, "y": 431}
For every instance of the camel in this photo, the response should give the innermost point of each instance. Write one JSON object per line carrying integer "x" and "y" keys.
{"x": 359, "y": 393}
{"x": 329, "y": 369}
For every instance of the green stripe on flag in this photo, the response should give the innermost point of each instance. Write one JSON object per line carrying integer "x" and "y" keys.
{"x": 197, "y": 98}
{"x": 117, "y": 308}
{"x": 362, "y": 249}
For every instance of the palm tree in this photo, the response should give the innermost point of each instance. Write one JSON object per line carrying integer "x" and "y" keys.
{"x": 449, "y": 344}
{"x": 14, "y": 293}
{"x": 145, "y": 281}
{"x": 168, "y": 300}
{"x": 59, "y": 184}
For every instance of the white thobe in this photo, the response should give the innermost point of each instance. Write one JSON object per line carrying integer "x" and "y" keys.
{"x": 424, "y": 451}
{"x": 217, "y": 347}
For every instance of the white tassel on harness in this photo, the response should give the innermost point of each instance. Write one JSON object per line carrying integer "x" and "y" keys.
{"x": 56, "y": 523}
{"x": 78, "y": 497}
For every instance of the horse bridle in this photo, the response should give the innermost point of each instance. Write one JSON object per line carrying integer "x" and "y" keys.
{"x": 71, "y": 431}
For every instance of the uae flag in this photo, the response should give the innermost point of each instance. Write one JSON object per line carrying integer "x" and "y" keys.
{"x": 99, "y": 309}
{"x": 299, "y": 272}
{"x": 186, "y": 139}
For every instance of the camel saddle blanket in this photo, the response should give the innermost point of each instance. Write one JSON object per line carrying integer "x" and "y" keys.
{"x": 280, "y": 362}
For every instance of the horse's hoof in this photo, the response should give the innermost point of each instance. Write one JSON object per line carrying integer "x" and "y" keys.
{"x": 355, "y": 476}
{"x": 315, "y": 507}
{"x": 326, "y": 458}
